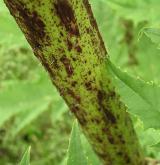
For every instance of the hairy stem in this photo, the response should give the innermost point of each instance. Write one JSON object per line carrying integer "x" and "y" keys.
{"x": 64, "y": 37}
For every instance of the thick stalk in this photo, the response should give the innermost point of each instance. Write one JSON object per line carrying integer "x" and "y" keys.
{"x": 64, "y": 37}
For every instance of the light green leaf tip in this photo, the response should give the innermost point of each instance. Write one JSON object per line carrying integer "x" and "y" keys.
{"x": 26, "y": 157}
{"x": 76, "y": 154}
{"x": 142, "y": 99}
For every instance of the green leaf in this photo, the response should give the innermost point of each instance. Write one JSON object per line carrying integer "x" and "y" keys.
{"x": 150, "y": 137}
{"x": 92, "y": 157}
{"x": 27, "y": 100}
{"x": 76, "y": 154}
{"x": 142, "y": 99}
{"x": 26, "y": 158}
{"x": 28, "y": 115}
{"x": 153, "y": 34}
{"x": 59, "y": 109}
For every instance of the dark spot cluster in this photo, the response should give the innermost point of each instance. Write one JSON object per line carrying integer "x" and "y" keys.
{"x": 80, "y": 115}
{"x": 78, "y": 49}
{"x": 89, "y": 72}
{"x": 125, "y": 155}
{"x": 109, "y": 116}
{"x": 122, "y": 141}
{"x": 45, "y": 64}
{"x": 120, "y": 153}
{"x": 105, "y": 130}
{"x": 69, "y": 44}
{"x": 75, "y": 109}
{"x": 74, "y": 83}
{"x": 99, "y": 139}
{"x": 112, "y": 94}
{"x": 82, "y": 120}
{"x": 31, "y": 23}
{"x": 53, "y": 61}
{"x": 96, "y": 120}
{"x": 102, "y": 96}
{"x": 94, "y": 25}
{"x": 127, "y": 158}
{"x": 66, "y": 62}
{"x": 88, "y": 85}
{"x": 111, "y": 139}
{"x": 66, "y": 15}
{"x": 89, "y": 30}
{"x": 77, "y": 98}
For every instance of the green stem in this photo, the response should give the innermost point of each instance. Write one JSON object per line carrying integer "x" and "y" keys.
{"x": 64, "y": 37}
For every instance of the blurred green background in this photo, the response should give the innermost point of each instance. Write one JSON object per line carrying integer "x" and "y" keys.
{"x": 32, "y": 112}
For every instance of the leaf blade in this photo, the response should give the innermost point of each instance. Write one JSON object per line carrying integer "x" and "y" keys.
{"x": 26, "y": 157}
{"x": 141, "y": 98}
{"x": 75, "y": 151}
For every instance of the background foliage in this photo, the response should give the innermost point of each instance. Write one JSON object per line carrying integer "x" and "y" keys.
{"x": 32, "y": 112}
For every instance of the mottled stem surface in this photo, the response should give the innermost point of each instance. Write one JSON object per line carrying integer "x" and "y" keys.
{"x": 64, "y": 37}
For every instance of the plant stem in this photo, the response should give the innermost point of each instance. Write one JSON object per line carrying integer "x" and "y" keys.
{"x": 64, "y": 37}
